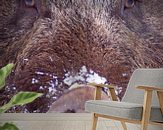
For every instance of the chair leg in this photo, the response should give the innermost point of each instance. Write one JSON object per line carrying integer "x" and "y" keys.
{"x": 94, "y": 121}
{"x": 146, "y": 109}
{"x": 144, "y": 127}
{"x": 124, "y": 125}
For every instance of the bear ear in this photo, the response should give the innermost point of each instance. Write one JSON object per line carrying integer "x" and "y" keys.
{"x": 129, "y": 3}
{"x": 29, "y": 3}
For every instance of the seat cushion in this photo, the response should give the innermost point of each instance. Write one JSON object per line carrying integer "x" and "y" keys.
{"x": 125, "y": 110}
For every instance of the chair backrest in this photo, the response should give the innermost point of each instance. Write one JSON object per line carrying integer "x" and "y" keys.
{"x": 147, "y": 77}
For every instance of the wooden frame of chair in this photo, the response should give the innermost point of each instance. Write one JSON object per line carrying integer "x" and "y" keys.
{"x": 146, "y": 107}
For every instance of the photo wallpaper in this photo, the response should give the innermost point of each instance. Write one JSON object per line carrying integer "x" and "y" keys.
{"x": 59, "y": 46}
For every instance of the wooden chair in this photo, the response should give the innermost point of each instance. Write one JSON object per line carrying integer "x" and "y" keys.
{"x": 137, "y": 106}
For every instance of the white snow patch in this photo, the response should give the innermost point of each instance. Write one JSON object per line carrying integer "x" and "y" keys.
{"x": 25, "y": 59}
{"x": 34, "y": 81}
{"x": 124, "y": 74}
{"x": 40, "y": 73}
{"x": 41, "y": 88}
{"x": 83, "y": 75}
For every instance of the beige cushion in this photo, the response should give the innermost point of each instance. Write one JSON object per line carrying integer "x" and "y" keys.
{"x": 121, "y": 109}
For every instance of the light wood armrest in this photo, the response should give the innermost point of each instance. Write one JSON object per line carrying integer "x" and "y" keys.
{"x": 147, "y": 88}
{"x": 101, "y": 85}
{"x": 98, "y": 89}
{"x": 148, "y": 100}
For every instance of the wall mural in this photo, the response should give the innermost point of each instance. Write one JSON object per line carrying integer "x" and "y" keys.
{"x": 58, "y": 46}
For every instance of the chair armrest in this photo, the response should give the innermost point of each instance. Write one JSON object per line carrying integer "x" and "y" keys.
{"x": 98, "y": 91}
{"x": 148, "y": 88}
{"x": 101, "y": 85}
{"x": 148, "y": 98}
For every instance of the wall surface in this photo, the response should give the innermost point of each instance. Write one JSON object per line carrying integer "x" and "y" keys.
{"x": 57, "y": 45}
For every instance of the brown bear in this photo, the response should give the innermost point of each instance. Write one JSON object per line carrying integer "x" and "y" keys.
{"x": 51, "y": 40}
